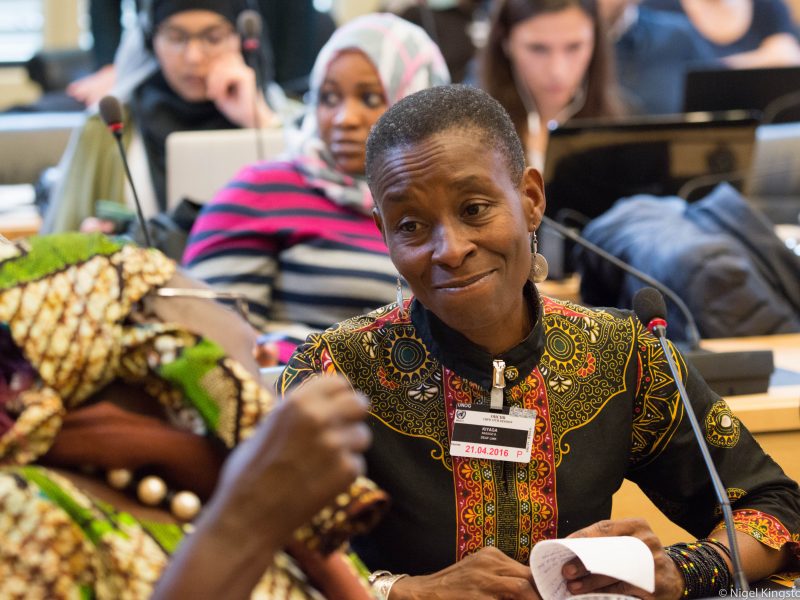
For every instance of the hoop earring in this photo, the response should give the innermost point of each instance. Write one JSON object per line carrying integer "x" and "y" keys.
{"x": 401, "y": 303}
{"x": 539, "y": 266}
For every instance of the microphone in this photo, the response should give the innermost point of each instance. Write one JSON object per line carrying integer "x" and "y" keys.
{"x": 649, "y": 306}
{"x": 111, "y": 113}
{"x": 727, "y": 373}
{"x": 249, "y": 25}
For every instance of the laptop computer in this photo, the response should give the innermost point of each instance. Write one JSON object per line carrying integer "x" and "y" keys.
{"x": 773, "y": 184}
{"x": 590, "y": 164}
{"x": 775, "y": 170}
{"x": 774, "y": 92}
{"x": 32, "y": 142}
{"x": 199, "y": 163}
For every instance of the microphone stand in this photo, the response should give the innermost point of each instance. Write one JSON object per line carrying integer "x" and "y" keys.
{"x": 251, "y": 48}
{"x": 249, "y": 26}
{"x": 658, "y": 328}
{"x": 116, "y": 130}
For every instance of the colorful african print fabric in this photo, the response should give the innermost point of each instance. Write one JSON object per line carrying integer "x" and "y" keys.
{"x": 62, "y": 543}
{"x": 608, "y": 410}
{"x": 71, "y": 322}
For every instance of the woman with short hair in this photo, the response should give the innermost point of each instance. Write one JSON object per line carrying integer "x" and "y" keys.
{"x": 587, "y": 393}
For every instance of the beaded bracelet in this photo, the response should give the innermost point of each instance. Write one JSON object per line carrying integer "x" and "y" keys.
{"x": 704, "y": 570}
{"x": 717, "y": 544}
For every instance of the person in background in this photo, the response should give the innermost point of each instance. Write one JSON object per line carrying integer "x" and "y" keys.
{"x": 459, "y": 212}
{"x": 547, "y": 61}
{"x": 653, "y": 50}
{"x": 183, "y": 71}
{"x": 296, "y": 237}
{"x": 105, "y": 18}
{"x": 744, "y": 34}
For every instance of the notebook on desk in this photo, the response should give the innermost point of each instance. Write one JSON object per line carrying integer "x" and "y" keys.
{"x": 774, "y": 92}
{"x": 201, "y": 162}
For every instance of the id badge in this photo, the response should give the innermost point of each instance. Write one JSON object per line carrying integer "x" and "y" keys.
{"x": 479, "y": 432}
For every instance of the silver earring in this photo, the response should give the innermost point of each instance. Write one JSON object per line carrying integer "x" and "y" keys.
{"x": 539, "y": 266}
{"x": 400, "y": 300}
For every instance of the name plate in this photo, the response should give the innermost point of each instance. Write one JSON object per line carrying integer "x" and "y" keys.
{"x": 506, "y": 434}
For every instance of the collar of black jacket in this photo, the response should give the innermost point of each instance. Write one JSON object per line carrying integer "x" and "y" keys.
{"x": 467, "y": 360}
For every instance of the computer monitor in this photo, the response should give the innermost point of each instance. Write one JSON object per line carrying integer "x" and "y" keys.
{"x": 32, "y": 142}
{"x": 590, "y": 164}
{"x": 199, "y": 163}
{"x": 774, "y": 92}
{"x": 775, "y": 169}
{"x": 773, "y": 184}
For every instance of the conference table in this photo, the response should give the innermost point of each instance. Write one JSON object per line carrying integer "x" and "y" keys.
{"x": 19, "y": 226}
{"x": 777, "y": 410}
{"x": 773, "y": 417}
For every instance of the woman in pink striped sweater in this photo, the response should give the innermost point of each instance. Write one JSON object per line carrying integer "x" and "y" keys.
{"x": 296, "y": 237}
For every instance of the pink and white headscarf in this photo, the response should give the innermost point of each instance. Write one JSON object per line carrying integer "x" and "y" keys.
{"x": 407, "y": 61}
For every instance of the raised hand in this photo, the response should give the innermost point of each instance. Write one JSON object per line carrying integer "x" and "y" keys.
{"x": 231, "y": 85}
{"x": 305, "y": 453}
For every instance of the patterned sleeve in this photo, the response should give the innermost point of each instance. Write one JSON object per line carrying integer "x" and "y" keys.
{"x": 307, "y": 361}
{"x": 666, "y": 462}
{"x": 234, "y": 246}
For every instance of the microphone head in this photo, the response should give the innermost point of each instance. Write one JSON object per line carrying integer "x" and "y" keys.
{"x": 111, "y": 111}
{"x": 249, "y": 24}
{"x": 648, "y": 304}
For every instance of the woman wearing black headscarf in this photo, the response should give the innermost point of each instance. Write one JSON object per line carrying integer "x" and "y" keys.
{"x": 182, "y": 70}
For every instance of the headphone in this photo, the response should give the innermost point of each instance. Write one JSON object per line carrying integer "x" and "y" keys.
{"x": 145, "y": 18}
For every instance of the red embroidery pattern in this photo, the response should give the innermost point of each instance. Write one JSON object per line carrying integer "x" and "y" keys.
{"x": 326, "y": 362}
{"x": 473, "y": 479}
{"x": 561, "y": 307}
{"x": 765, "y": 528}
{"x": 534, "y": 483}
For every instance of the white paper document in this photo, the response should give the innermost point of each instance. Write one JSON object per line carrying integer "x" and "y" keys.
{"x": 625, "y": 558}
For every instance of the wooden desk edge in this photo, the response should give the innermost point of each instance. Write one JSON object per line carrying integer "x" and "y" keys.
{"x": 777, "y": 410}
{"x": 21, "y": 227}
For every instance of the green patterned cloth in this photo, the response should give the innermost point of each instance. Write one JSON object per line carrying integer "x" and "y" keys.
{"x": 70, "y": 325}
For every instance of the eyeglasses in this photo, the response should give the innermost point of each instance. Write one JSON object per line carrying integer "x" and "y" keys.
{"x": 212, "y": 40}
